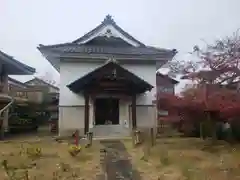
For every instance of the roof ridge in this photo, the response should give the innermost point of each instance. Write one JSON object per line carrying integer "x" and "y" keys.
{"x": 108, "y": 20}
{"x": 37, "y": 78}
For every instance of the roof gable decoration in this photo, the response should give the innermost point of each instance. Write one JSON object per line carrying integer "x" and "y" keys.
{"x": 108, "y": 28}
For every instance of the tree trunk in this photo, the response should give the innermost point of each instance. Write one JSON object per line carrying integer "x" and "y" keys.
{"x": 214, "y": 132}
{"x": 201, "y": 130}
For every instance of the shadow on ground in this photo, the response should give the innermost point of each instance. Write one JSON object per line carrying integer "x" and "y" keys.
{"x": 117, "y": 162}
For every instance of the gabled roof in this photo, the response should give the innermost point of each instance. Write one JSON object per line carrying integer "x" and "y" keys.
{"x": 168, "y": 78}
{"x": 106, "y": 70}
{"x": 105, "y": 41}
{"x": 16, "y": 82}
{"x": 41, "y": 81}
{"x": 15, "y": 67}
{"x": 107, "y": 21}
{"x": 104, "y": 44}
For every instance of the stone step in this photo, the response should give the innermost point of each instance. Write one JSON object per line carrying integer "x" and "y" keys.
{"x": 109, "y": 130}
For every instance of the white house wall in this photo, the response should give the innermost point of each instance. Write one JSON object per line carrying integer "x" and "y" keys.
{"x": 71, "y": 111}
{"x": 147, "y": 73}
{"x": 70, "y": 72}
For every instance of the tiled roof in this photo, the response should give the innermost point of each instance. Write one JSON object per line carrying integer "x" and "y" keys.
{"x": 107, "y": 21}
{"x": 41, "y": 81}
{"x": 9, "y": 59}
{"x": 16, "y": 81}
{"x": 106, "y": 46}
{"x": 167, "y": 77}
{"x": 86, "y": 49}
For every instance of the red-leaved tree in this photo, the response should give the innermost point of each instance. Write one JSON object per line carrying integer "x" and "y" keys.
{"x": 192, "y": 110}
{"x": 215, "y": 73}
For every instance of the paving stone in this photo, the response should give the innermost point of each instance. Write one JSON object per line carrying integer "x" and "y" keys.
{"x": 117, "y": 161}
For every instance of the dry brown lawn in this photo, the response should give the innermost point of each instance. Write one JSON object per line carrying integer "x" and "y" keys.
{"x": 187, "y": 158}
{"x": 170, "y": 159}
{"x": 53, "y": 163}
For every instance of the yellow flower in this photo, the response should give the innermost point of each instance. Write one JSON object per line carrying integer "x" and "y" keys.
{"x": 74, "y": 149}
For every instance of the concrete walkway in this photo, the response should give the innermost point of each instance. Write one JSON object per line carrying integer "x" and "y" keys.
{"x": 116, "y": 162}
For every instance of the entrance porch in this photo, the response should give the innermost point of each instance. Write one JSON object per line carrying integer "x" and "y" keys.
{"x": 110, "y": 93}
{"x": 110, "y": 115}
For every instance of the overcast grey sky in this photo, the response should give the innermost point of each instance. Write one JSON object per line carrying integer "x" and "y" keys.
{"x": 162, "y": 23}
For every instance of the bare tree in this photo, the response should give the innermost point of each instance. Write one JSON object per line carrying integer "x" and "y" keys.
{"x": 48, "y": 78}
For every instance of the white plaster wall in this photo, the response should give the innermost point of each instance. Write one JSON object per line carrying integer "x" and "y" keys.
{"x": 71, "y": 119}
{"x": 70, "y": 72}
{"x": 146, "y": 116}
{"x": 147, "y": 73}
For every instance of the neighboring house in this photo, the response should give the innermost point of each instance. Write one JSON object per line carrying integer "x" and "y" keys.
{"x": 15, "y": 88}
{"x": 13, "y": 83}
{"x": 9, "y": 66}
{"x": 165, "y": 84}
{"x": 44, "y": 91}
{"x": 39, "y": 82}
{"x": 107, "y": 81}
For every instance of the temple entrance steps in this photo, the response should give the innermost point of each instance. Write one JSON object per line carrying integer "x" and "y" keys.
{"x": 110, "y": 131}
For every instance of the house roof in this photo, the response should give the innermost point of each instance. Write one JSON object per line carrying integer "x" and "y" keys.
{"x": 16, "y": 81}
{"x": 105, "y": 71}
{"x": 89, "y": 49}
{"x": 100, "y": 43}
{"x": 15, "y": 67}
{"x": 167, "y": 77}
{"x": 41, "y": 81}
{"x": 107, "y": 21}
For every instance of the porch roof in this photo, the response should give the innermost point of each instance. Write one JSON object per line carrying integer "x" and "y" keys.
{"x": 133, "y": 84}
{"x": 14, "y": 67}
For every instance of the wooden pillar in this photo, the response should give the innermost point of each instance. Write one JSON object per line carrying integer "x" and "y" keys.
{"x": 134, "y": 114}
{"x": 86, "y": 114}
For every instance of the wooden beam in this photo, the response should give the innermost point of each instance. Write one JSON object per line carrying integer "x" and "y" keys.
{"x": 134, "y": 113}
{"x": 86, "y": 113}
{"x": 109, "y": 90}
